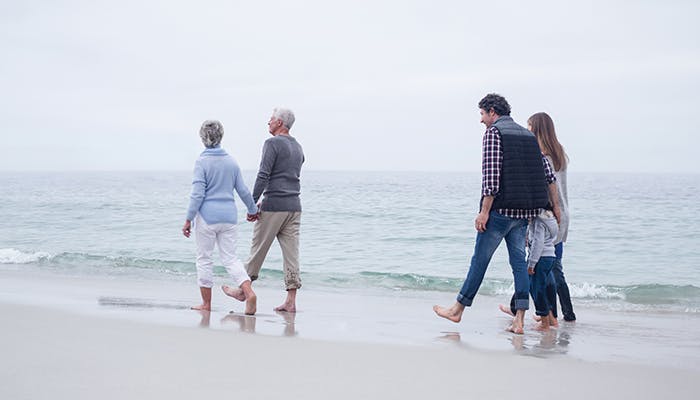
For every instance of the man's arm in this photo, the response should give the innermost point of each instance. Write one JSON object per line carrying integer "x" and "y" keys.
{"x": 491, "y": 163}
{"x": 483, "y": 217}
{"x": 267, "y": 161}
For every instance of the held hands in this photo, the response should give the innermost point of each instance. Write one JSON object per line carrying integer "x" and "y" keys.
{"x": 256, "y": 216}
{"x": 480, "y": 222}
{"x": 531, "y": 270}
{"x": 186, "y": 228}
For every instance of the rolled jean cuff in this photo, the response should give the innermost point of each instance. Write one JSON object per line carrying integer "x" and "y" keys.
{"x": 542, "y": 313}
{"x": 522, "y": 304}
{"x": 464, "y": 301}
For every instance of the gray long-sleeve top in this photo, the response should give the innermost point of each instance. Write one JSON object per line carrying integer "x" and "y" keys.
{"x": 563, "y": 202}
{"x": 278, "y": 179}
{"x": 541, "y": 235}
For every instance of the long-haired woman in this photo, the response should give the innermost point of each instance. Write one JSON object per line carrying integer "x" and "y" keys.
{"x": 542, "y": 126}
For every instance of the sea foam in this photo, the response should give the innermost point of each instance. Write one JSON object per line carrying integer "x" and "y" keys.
{"x": 14, "y": 256}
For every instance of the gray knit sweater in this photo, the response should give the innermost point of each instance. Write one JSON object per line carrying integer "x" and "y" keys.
{"x": 278, "y": 179}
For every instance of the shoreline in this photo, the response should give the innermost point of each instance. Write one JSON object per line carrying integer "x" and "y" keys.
{"x": 398, "y": 318}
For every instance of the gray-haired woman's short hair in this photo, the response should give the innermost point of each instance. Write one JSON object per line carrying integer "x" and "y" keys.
{"x": 211, "y": 133}
{"x": 285, "y": 115}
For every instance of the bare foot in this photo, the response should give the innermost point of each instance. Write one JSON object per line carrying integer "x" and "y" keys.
{"x": 288, "y": 307}
{"x": 506, "y": 310}
{"x": 515, "y": 329}
{"x": 453, "y": 313}
{"x": 553, "y": 322}
{"x": 236, "y": 293}
{"x": 202, "y": 307}
{"x": 251, "y": 305}
{"x": 536, "y": 317}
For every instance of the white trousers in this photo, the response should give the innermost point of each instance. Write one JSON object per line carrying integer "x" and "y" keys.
{"x": 224, "y": 236}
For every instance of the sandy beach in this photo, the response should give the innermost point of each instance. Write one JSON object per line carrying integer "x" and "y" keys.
{"x": 50, "y": 354}
{"x": 60, "y": 341}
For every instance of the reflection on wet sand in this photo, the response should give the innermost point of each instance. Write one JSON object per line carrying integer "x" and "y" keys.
{"x": 246, "y": 323}
{"x": 542, "y": 344}
{"x": 533, "y": 343}
{"x": 450, "y": 337}
{"x": 206, "y": 317}
{"x": 289, "y": 326}
{"x": 126, "y": 302}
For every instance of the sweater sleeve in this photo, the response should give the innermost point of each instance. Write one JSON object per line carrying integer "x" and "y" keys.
{"x": 244, "y": 193}
{"x": 266, "y": 163}
{"x": 562, "y": 186}
{"x": 199, "y": 185}
{"x": 536, "y": 238}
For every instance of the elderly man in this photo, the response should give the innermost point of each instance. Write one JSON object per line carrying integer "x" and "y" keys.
{"x": 517, "y": 183}
{"x": 279, "y": 213}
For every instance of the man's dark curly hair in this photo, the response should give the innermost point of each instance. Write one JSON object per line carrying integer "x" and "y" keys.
{"x": 497, "y": 102}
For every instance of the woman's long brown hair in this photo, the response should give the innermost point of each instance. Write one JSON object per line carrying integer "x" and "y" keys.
{"x": 543, "y": 128}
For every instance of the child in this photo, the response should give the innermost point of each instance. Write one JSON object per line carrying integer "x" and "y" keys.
{"x": 541, "y": 232}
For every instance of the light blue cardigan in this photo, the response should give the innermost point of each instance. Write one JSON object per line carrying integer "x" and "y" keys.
{"x": 216, "y": 176}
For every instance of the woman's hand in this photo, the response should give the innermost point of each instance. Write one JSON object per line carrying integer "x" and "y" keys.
{"x": 186, "y": 228}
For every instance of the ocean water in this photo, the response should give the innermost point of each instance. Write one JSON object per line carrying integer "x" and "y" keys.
{"x": 633, "y": 240}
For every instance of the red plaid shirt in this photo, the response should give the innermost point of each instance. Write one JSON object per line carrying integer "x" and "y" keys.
{"x": 491, "y": 165}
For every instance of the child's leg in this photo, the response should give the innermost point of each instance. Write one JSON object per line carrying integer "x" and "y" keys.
{"x": 539, "y": 291}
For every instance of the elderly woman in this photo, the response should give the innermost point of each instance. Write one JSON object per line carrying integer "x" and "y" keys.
{"x": 213, "y": 210}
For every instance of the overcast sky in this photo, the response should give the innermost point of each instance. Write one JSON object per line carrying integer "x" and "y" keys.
{"x": 376, "y": 85}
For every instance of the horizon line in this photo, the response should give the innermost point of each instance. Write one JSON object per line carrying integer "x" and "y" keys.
{"x": 337, "y": 171}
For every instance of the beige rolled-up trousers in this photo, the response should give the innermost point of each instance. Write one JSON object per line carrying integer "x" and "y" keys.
{"x": 283, "y": 225}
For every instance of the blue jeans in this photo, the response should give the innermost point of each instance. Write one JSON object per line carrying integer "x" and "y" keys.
{"x": 499, "y": 227}
{"x": 538, "y": 285}
{"x": 556, "y": 285}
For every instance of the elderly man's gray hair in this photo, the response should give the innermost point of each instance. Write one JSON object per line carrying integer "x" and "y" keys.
{"x": 285, "y": 115}
{"x": 211, "y": 133}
